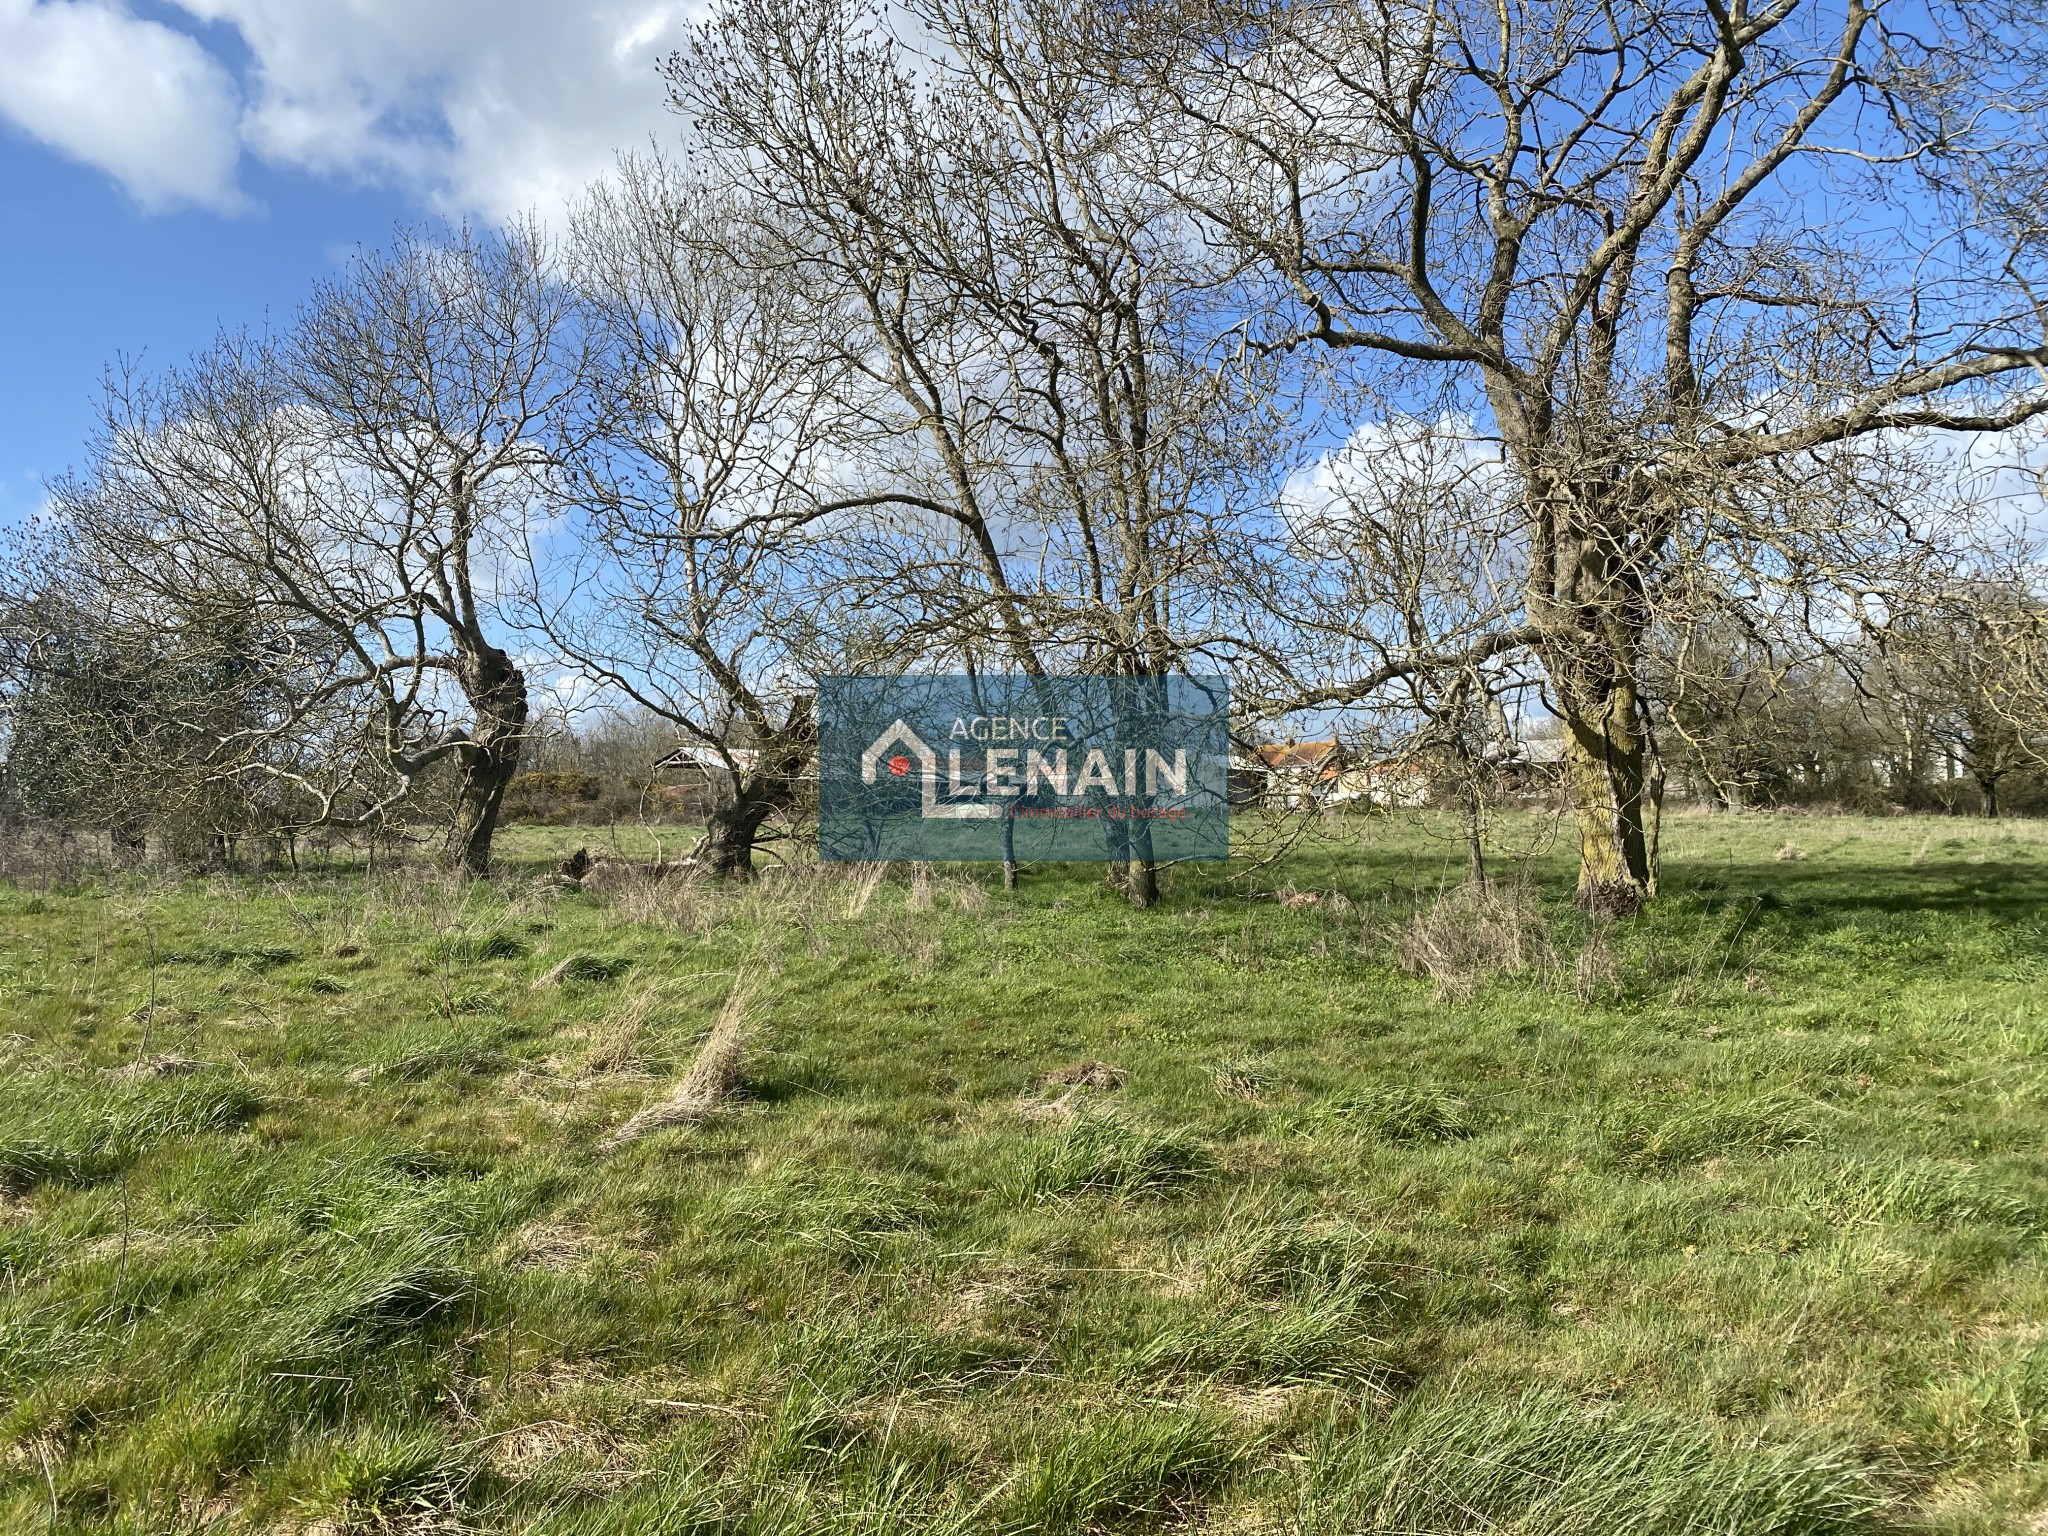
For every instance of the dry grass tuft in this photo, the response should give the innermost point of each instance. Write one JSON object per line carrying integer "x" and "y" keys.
{"x": 1464, "y": 938}
{"x": 1596, "y": 973}
{"x": 163, "y": 1064}
{"x": 1294, "y": 900}
{"x": 1242, "y": 1078}
{"x": 968, "y": 895}
{"x": 719, "y": 1068}
{"x": 615, "y": 1041}
{"x": 658, "y": 895}
{"x": 604, "y": 877}
{"x": 549, "y": 1246}
{"x": 1063, "y": 1093}
{"x": 1086, "y": 1073}
{"x": 863, "y": 879}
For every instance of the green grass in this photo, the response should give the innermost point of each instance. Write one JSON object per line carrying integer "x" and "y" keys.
{"x": 1729, "y": 1220}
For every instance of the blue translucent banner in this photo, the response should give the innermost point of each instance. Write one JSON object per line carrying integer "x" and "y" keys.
{"x": 1029, "y": 768}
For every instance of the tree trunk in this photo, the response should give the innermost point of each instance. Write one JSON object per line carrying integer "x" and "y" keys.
{"x": 1141, "y": 874}
{"x": 1141, "y": 883}
{"x": 1607, "y": 763}
{"x": 731, "y": 829}
{"x": 1653, "y": 809}
{"x": 496, "y": 690}
{"x": 1988, "y": 788}
{"x": 729, "y": 834}
{"x": 1475, "y": 846}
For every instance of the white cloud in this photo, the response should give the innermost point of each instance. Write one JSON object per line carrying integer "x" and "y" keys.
{"x": 142, "y": 102}
{"x": 478, "y": 106}
{"x": 485, "y": 107}
{"x": 1382, "y": 452}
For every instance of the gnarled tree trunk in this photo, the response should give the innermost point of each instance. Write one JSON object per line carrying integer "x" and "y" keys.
{"x": 730, "y": 832}
{"x": 1587, "y": 594}
{"x": 487, "y": 761}
{"x": 733, "y": 826}
{"x": 1141, "y": 883}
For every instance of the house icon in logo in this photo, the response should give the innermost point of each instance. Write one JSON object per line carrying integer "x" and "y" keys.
{"x": 900, "y": 734}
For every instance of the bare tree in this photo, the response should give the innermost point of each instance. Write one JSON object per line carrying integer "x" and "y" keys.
{"x": 437, "y": 371}
{"x": 1048, "y": 465}
{"x": 345, "y": 492}
{"x": 1955, "y": 660}
{"x": 685, "y": 581}
{"x": 1394, "y": 555}
{"x": 1657, "y": 252}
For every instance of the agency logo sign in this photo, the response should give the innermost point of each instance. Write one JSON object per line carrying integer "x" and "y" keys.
{"x": 1027, "y": 768}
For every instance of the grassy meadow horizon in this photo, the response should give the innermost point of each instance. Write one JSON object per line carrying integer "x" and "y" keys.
{"x": 1324, "y": 1197}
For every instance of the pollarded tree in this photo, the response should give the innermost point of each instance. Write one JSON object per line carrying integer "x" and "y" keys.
{"x": 1660, "y": 252}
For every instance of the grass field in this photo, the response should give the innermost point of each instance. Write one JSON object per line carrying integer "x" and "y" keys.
{"x": 1036, "y": 1213}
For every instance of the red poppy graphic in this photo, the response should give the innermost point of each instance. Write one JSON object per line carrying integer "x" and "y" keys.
{"x": 899, "y": 765}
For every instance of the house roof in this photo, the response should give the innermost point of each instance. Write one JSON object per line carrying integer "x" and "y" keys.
{"x": 699, "y": 755}
{"x": 1310, "y": 755}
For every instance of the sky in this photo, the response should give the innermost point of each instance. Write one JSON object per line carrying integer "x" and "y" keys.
{"x": 170, "y": 167}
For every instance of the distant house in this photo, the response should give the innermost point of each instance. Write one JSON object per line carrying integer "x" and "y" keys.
{"x": 708, "y": 763}
{"x": 695, "y": 776}
{"x": 1302, "y": 775}
{"x": 1286, "y": 775}
{"x": 1400, "y": 784}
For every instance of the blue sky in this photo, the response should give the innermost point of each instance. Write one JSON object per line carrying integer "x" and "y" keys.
{"x": 93, "y": 277}
{"x": 171, "y": 166}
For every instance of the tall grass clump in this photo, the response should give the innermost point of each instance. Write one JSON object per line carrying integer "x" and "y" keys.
{"x": 1466, "y": 937}
{"x": 1652, "y": 1138}
{"x": 828, "y": 1209}
{"x": 75, "y": 1130}
{"x": 478, "y": 948}
{"x": 1543, "y": 1465}
{"x": 384, "y": 1480}
{"x": 1117, "y": 1467}
{"x": 1099, "y": 1154}
{"x": 1401, "y": 1114}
